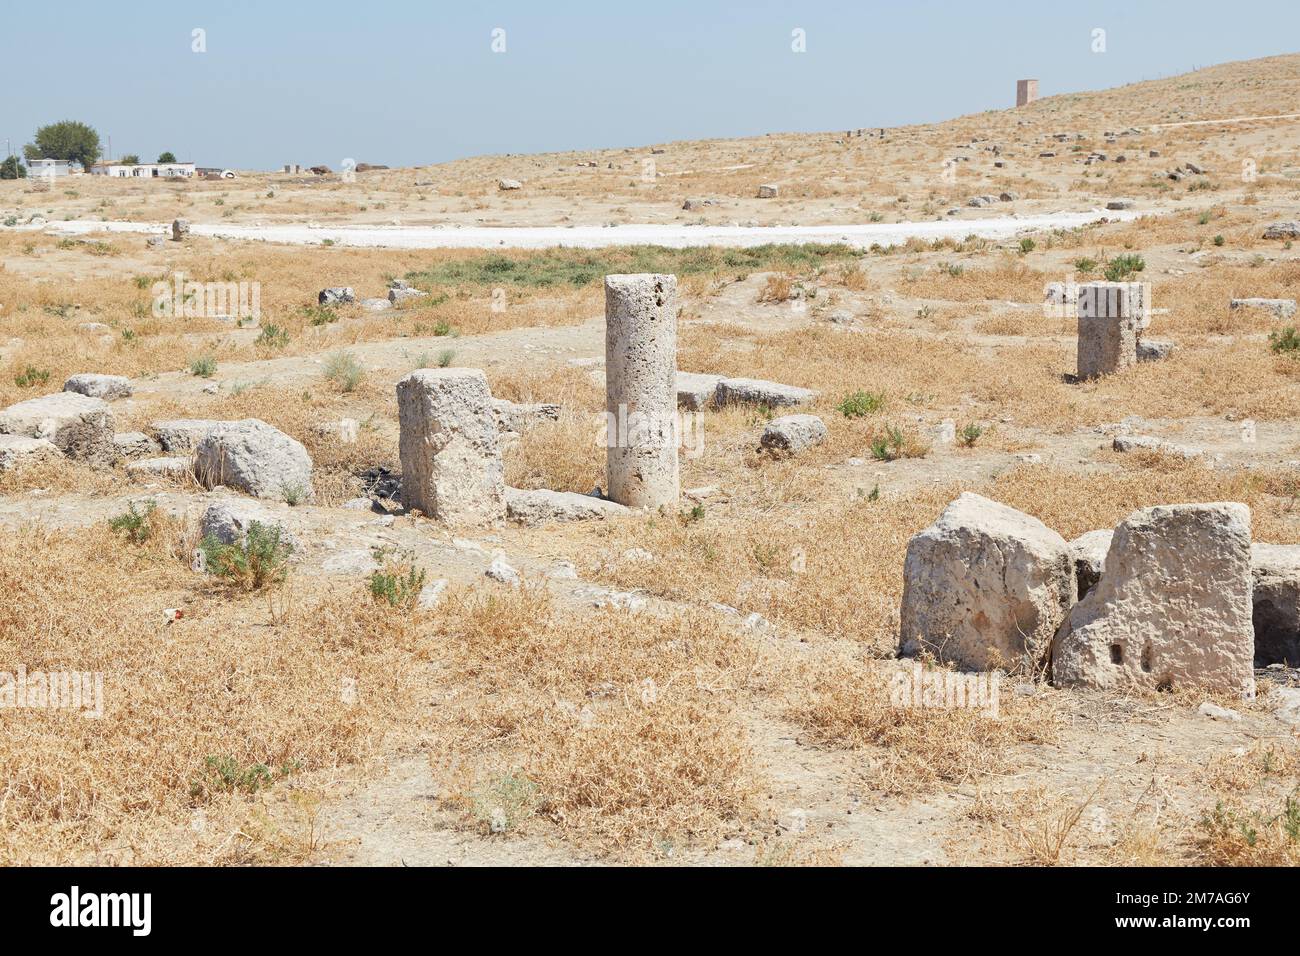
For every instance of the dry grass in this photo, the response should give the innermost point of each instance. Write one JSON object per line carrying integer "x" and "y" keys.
{"x": 622, "y": 727}
{"x": 914, "y": 749}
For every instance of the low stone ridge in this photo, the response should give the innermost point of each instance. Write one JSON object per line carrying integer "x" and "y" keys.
{"x": 253, "y": 457}
{"x": 1275, "y": 570}
{"x": 1154, "y": 350}
{"x": 518, "y": 416}
{"x": 107, "y": 387}
{"x": 530, "y": 507}
{"x": 1281, "y": 308}
{"x": 1172, "y": 609}
{"x": 135, "y": 445}
{"x": 182, "y": 434}
{"x": 1283, "y": 230}
{"x": 16, "y": 450}
{"x": 1129, "y": 443}
{"x": 227, "y": 522}
{"x": 147, "y": 468}
{"x": 793, "y": 434}
{"x": 696, "y": 390}
{"x": 753, "y": 391}
{"x": 77, "y": 425}
{"x": 986, "y": 586}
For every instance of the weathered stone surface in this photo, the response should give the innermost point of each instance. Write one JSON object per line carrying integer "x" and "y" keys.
{"x": 1276, "y": 596}
{"x": 336, "y": 295}
{"x": 517, "y": 416}
{"x": 107, "y": 387}
{"x": 507, "y": 184}
{"x": 182, "y": 434}
{"x": 180, "y": 229}
{"x": 768, "y": 191}
{"x": 228, "y": 521}
{"x": 985, "y": 586}
{"x": 451, "y": 458}
{"x": 531, "y": 507}
{"x": 1111, "y": 317}
{"x": 255, "y": 458}
{"x": 79, "y": 426}
{"x": 135, "y": 445}
{"x": 500, "y": 570}
{"x": 641, "y": 457}
{"x": 1283, "y": 230}
{"x": 148, "y": 468}
{"x": 1120, "y": 204}
{"x": 753, "y": 391}
{"x": 793, "y": 434}
{"x": 1172, "y": 609}
{"x": 401, "y": 294}
{"x": 1154, "y": 350}
{"x": 376, "y": 305}
{"x": 1088, "y": 552}
{"x": 1129, "y": 443}
{"x": 18, "y": 450}
{"x": 696, "y": 390}
{"x": 1280, "y": 308}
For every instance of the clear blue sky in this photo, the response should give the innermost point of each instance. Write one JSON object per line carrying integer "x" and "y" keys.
{"x": 407, "y": 82}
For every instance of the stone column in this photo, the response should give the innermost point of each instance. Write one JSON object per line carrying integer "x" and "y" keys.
{"x": 641, "y": 390}
{"x": 451, "y": 462}
{"x": 1026, "y": 92}
{"x": 1111, "y": 316}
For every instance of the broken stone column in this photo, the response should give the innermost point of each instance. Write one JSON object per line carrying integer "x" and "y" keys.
{"x": 451, "y": 462}
{"x": 641, "y": 390}
{"x": 1173, "y": 606}
{"x": 1111, "y": 317}
{"x": 1026, "y": 92}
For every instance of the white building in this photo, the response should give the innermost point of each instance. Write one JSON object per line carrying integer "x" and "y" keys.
{"x": 145, "y": 170}
{"x": 52, "y": 167}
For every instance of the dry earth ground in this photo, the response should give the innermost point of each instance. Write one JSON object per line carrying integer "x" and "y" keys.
{"x": 313, "y": 724}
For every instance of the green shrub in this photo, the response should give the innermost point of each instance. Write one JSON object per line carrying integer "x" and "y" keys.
{"x": 397, "y": 585}
{"x": 32, "y": 375}
{"x": 1285, "y": 342}
{"x": 205, "y": 366}
{"x": 135, "y": 523}
{"x": 970, "y": 434}
{"x": 861, "y": 403}
{"x": 1027, "y": 245}
{"x": 259, "y": 559}
{"x": 1121, "y": 267}
{"x": 272, "y": 336}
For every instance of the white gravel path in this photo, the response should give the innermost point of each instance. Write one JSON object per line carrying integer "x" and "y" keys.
{"x": 589, "y": 237}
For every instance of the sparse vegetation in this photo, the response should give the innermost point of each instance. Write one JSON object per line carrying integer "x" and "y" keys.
{"x": 344, "y": 371}
{"x": 258, "y": 560}
{"x": 861, "y": 403}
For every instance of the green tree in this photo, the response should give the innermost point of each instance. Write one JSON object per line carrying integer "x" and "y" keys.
{"x": 11, "y": 168}
{"x": 66, "y": 140}
{"x": 130, "y": 159}
{"x": 167, "y": 157}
